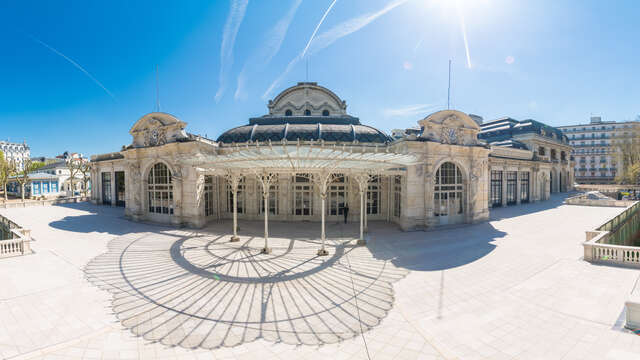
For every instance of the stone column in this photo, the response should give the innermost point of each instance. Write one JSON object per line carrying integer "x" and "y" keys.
{"x": 362, "y": 180}
{"x": 234, "y": 180}
{"x": 265, "y": 179}
{"x": 321, "y": 181}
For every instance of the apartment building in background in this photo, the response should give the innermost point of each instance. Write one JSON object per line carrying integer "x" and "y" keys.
{"x": 596, "y": 157}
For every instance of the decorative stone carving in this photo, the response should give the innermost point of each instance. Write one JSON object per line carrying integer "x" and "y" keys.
{"x": 449, "y": 136}
{"x": 450, "y": 127}
{"x": 156, "y": 129}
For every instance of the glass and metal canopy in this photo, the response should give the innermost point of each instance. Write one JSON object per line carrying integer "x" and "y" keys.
{"x": 319, "y": 161}
{"x": 296, "y": 157}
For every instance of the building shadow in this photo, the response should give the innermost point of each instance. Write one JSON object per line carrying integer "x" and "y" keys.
{"x": 102, "y": 219}
{"x": 556, "y": 200}
{"x": 433, "y": 250}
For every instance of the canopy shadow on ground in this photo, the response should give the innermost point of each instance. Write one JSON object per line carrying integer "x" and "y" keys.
{"x": 196, "y": 289}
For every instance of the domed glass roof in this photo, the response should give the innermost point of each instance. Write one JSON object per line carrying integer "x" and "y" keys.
{"x": 305, "y": 128}
{"x": 305, "y": 112}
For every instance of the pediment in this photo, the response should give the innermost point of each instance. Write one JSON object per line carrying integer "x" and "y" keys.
{"x": 156, "y": 120}
{"x": 450, "y": 127}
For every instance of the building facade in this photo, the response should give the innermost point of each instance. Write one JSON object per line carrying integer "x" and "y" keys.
{"x": 309, "y": 160}
{"x": 15, "y": 152}
{"x": 597, "y": 159}
{"x": 50, "y": 181}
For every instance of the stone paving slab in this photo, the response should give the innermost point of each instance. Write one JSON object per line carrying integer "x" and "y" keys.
{"x": 511, "y": 288}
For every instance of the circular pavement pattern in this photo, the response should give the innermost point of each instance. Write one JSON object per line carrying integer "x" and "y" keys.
{"x": 200, "y": 290}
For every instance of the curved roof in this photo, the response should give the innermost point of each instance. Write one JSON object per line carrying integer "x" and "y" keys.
{"x": 505, "y": 128}
{"x": 307, "y": 96}
{"x": 305, "y": 128}
{"x": 305, "y": 112}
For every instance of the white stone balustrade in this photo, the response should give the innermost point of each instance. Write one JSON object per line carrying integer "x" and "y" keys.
{"x": 20, "y": 244}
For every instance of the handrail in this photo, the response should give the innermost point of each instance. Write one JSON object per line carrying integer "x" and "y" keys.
{"x": 620, "y": 219}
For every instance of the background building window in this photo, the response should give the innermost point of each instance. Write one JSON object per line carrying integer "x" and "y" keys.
{"x": 397, "y": 195}
{"x": 512, "y": 181}
{"x": 325, "y": 112}
{"x": 288, "y": 112}
{"x": 208, "y": 195}
{"x": 496, "y": 188}
{"x": 106, "y": 188}
{"x": 307, "y": 112}
{"x": 273, "y": 200}
{"x": 337, "y": 196}
{"x": 524, "y": 186}
{"x": 373, "y": 196}
{"x": 302, "y": 195}
{"x": 160, "y": 190}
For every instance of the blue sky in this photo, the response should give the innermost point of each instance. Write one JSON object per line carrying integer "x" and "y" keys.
{"x": 76, "y": 75}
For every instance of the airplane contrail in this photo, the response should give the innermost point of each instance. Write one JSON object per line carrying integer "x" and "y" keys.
{"x": 464, "y": 34}
{"x": 73, "y": 63}
{"x": 231, "y": 27}
{"x": 269, "y": 48}
{"x": 313, "y": 35}
{"x": 317, "y": 43}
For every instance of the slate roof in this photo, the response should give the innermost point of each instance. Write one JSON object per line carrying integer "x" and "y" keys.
{"x": 506, "y": 128}
{"x": 343, "y": 128}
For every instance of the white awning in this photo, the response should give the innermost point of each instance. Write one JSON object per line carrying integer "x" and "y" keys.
{"x": 303, "y": 158}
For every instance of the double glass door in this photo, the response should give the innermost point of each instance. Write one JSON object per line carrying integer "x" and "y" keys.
{"x": 449, "y": 195}
{"x": 120, "y": 188}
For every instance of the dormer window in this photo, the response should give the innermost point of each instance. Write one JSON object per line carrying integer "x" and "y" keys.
{"x": 288, "y": 112}
{"x": 307, "y": 112}
{"x": 325, "y": 112}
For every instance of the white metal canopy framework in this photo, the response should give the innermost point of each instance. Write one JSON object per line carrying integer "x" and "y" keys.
{"x": 320, "y": 162}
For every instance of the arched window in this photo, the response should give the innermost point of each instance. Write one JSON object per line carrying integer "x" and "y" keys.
{"x": 307, "y": 112}
{"x": 448, "y": 193}
{"x": 160, "y": 189}
{"x": 325, "y": 112}
{"x": 288, "y": 112}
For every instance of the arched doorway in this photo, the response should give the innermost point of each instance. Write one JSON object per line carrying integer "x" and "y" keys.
{"x": 160, "y": 191}
{"x": 448, "y": 194}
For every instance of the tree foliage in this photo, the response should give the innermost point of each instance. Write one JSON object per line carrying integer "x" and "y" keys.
{"x": 6, "y": 170}
{"x": 627, "y": 146}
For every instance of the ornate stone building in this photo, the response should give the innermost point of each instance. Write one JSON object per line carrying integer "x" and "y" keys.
{"x": 15, "y": 152}
{"x": 308, "y": 160}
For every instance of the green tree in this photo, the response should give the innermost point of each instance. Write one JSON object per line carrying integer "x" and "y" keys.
{"x": 6, "y": 170}
{"x": 627, "y": 146}
{"x": 22, "y": 176}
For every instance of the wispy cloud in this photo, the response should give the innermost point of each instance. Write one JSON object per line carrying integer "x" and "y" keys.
{"x": 270, "y": 47}
{"x": 77, "y": 66}
{"x": 317, "y": 43}
{"x": 231, "y": 27}
{"x": 409, "y": 110}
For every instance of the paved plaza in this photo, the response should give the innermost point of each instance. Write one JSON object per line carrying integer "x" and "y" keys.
{"x": 102, "y": 287}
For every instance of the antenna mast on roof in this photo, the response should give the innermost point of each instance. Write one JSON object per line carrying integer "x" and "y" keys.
{"x": 157, "y": 91}
{"x": 449, "y": 87}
